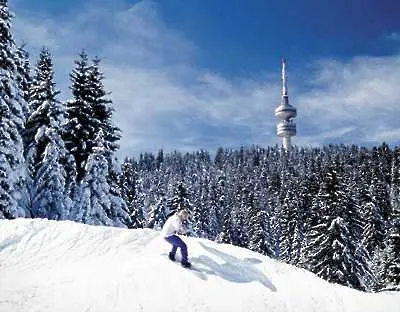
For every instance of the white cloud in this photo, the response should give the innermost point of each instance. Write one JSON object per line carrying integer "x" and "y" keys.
{"x": 362, "y": 94}
{"x": 163, "y": 100}
{"x": 385, "y": 134}
{"x": 37, "y": 35}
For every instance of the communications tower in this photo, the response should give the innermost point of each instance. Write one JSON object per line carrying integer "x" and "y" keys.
{"x": 286, "y": 127}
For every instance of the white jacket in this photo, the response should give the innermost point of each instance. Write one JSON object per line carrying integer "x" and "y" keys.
{"x": 172, "y": 225}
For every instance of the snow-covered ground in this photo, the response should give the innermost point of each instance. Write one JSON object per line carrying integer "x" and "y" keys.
{"x": 65, "y": 266}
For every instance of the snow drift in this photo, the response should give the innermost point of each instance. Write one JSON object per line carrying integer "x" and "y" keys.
{"x": 66, "y": 266}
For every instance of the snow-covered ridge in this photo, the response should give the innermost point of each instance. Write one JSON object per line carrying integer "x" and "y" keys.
{"x": 66, "y": 266}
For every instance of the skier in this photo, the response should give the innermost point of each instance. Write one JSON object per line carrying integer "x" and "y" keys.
{"x": 172, "y": 226}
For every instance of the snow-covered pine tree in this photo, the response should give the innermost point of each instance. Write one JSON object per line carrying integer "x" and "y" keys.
{"x": 222, "y": 197}
{"x": 379, "y": 190}
{"x": 257, "y": 231}
{"x": 87, "y": 113}
{"x": 80, "y": 128}
{"x": 48, "y": 191}
{"x": 375, "y": 223}
{"x": 225, "y": 237}
{"x": 142, "y": 190}
{"x": 180, "y": 198}
{"x": 374, "y": 228}
{"x": 261, "y": 190}
{"x": 332, "y": 259}
{"x": 71, "y": 187}
{"x": 24, "y": 80}
{"x": 332, "y": 251}
{"x": 307, "y": 190}
{"x": 216, "y": 203}
{"x": 95, "y": 206}
{"x": 220, "y": 158}
{"x": 273, "y": 202}
{"x": 128, "y": 185}
{"x": 201, "y": 213}
{"x": 239, "y": 211}
{"x": 395, "y": 184}
{"x": 43, "y": 139}
{"x": 391, "y": 255}
{"x": 24, "y": 77}
{"x": 158, "y": 213}
{"x": 119, "y": 212}
{"x": 289, "y": 216}
{"x": 102, "y": 109}
{"x": 12, "y": 121}
{"x": 390, "y": 277}
{"x": 364, "y": 275}
{"x": 43, "y": 103}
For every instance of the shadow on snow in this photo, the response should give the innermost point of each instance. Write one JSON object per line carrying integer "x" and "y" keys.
{"x": 232, "y": 269}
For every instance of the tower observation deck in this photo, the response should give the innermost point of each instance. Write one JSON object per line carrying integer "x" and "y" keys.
{"x": 286, "y": 127}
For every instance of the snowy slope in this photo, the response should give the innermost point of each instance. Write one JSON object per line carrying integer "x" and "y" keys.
{"x": 65, "y": 266}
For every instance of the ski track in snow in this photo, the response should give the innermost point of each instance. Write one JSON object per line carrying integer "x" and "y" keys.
{"x": 66, "y": 266}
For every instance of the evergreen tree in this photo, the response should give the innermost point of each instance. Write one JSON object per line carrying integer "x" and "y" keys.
{"x": 201, "y": 214}
{"x": 257, "y": 238}
{"x": 71, "y": 187}
{"x": 102, "y": 109}
{"x": 12, "y": 120}
{"x": 180, "y": 199}
{"x": 43, "y": 105}
{"x": 102, "y": 120}
{"x": 331, "y": 259}
{"x": 391, "y": 254}
{"x": 308, "y": 189}
{"x": 289, "y": 216}
{"x": 216, "y": 203}
{"x": 395, "y": 185}
{"x": 88, "y": 114}
{"x": 377, "y": 266}
{"x": 80, "y": 128}
{"x": 158, "y": 214}
{"x": 374, "y": 213}
{"x": 43, "y": 140}
{"x": 119, "y": 212}
{"x": 49, "y": 184}
{"x": 380, "y": 179}
{"x": 95, "y": 191}
{"x": 391, "y": 265}
{"x": 374, "y": 228}
{"x": 225, "y": 237}
{"x": 24, "y": 78}
{"x": 240, "y": 216}
{"x": 128, "y": 184}
{"x": 265, "y": 218}
{"x": 333, "y": 253}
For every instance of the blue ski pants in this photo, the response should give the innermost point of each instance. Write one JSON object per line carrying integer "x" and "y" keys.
{"x": 176, "y": 243}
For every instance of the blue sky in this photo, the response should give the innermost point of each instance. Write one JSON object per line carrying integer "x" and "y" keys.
{"x": 198, "y": 74}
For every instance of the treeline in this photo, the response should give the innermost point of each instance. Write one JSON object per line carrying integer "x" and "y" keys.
{"x": 332, "y": 210}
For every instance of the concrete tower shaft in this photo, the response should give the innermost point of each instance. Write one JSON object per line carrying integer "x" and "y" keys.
{"x": 285, "y": 112}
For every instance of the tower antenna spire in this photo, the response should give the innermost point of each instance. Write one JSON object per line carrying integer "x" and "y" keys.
{"x": 284, "y": 78}
{"x": 286, "y": 127}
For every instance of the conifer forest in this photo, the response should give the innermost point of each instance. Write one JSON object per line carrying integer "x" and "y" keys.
{"x": 333, "y": 210}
